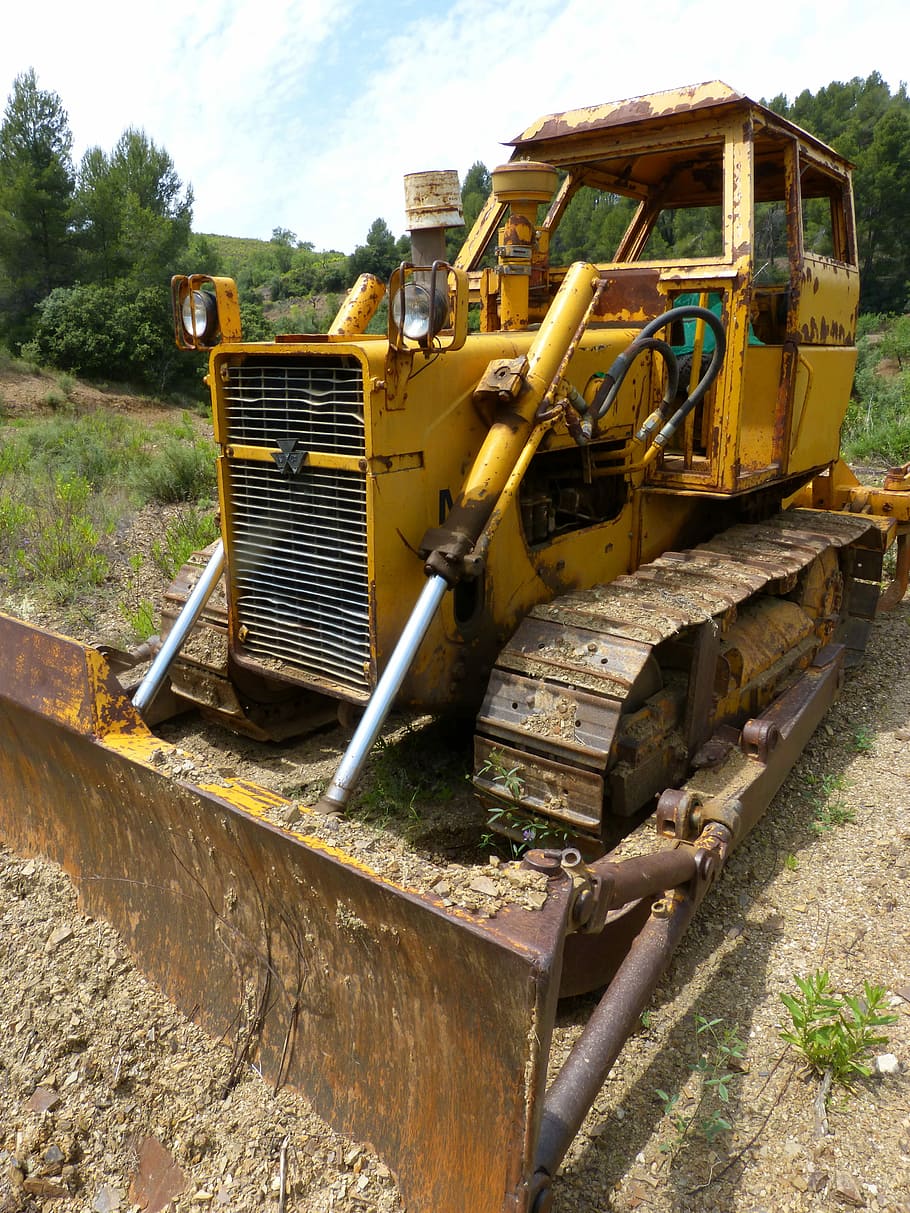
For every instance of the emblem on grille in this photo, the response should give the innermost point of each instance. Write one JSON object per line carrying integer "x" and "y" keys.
{"x": 290, "y": 457}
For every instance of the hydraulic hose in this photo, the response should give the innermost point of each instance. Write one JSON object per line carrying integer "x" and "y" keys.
{"x": 612, "y": 381}
{"x": 671, "y": 424}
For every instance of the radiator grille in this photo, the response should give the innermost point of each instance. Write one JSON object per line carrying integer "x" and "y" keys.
{"x": 318, "y": 401}
{"x": 299, "y": 543}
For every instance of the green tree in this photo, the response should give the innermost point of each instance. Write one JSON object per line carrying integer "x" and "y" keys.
{"x": 380, "y": 255}
{"x": 134, "y": 213}
{"x": 109, "y": 331}
{"x": 871, "y": 127}
{"x": 36, "y": 190}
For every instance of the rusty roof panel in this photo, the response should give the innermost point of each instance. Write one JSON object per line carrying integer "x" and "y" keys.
{"x": 635, "y": 109}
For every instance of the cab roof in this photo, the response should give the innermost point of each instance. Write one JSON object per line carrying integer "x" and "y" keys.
{"x": 559, "y": 139}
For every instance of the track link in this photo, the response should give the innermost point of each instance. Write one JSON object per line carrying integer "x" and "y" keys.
{"x": 605, "y": 697}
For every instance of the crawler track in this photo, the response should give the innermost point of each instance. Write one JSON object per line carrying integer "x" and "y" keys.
{"x": 605, "y": 697}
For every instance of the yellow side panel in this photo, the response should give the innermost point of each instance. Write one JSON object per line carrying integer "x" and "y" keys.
{"x": 820, "y": 399}
{"x": 828, "y": 302}
{"x": 760, "y": 387}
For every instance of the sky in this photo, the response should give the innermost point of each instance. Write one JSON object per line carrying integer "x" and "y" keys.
{"x": 306, "y": 114}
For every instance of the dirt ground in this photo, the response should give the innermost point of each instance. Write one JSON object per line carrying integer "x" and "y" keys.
{"x": 111, "y": 1101}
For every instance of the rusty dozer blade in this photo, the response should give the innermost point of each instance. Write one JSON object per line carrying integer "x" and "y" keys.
{"x": 409, "y": 1025}
{"x": 413, "y": 1027}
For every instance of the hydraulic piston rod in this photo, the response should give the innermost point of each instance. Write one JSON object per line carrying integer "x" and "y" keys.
{"x": 336, "y": 795}
{"x": 152, "y": 682}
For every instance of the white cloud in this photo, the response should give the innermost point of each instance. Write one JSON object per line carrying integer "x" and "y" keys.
{"x": 307, "y": 113}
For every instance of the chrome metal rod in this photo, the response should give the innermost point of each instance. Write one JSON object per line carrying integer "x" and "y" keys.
{"x": 336, "y": 795}
{"x": 152, "y": 682}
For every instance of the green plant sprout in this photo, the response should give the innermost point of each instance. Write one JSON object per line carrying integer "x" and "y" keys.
{"x": 722, "y": 1055}
{"x": 836, "y": 1033}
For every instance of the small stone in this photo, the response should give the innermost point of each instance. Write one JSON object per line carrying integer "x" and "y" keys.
{"x": 484, "y": 886}
{"x": 887, "y": 1063}
{"x": 442, "y": 888}
{"x": 57, "y": 937}
{"x": 44, "y": 1099}
{"x": 847, "y": 1190}
{"x": 54, "y": 1156}
{"x": 799, "y": 1182}
{"x": 107, "y": 1200}
{"x": 30, "y": 869}
{"x": 902, "y": 734}
{"x": 818, "y": 1181}
{"x": 291, "y": 815}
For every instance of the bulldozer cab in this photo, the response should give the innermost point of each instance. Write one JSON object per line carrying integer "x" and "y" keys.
{"x": 731, "y": 206}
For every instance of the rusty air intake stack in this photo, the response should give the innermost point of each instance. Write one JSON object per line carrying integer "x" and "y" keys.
{"x": 524, "y": 185}
{"x": 432, "y": 203}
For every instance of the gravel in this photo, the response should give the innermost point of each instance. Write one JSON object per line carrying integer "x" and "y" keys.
{"x": 112, "y": 1101}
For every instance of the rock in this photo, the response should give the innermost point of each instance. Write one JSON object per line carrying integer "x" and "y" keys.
{"x": 158, "y": 1179}
{"x": 887, "y": 1063}
{"x": 44, "y": 1099}
{"x": 50, "y": 1189}
{"x": 107, "y": 1200}
{"x": 57, "y": 937}
{"x": 484, "y": 886}
{"x": 818, "y": 1181}
{"x": 847, "y": 1190}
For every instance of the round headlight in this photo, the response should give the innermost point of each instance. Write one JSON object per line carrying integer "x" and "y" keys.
{"x": 420, "y": 310}
{"x": 199, "y": 316}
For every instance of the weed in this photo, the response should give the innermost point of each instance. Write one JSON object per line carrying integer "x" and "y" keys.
{"x": 141, "y": 619}
{"x": 828, "y": 807}
{"x": 523, "y": 831}
{"x": 835, "y": 1033}
{"x": 863, "y": 740}
{"x": 508, "y": 778}
{"x": 182, "y": 469}
{"x": 519, "y": 827}
{"x": 791, "y": 863}
{"x": 190, "y": 531}
{"x": 722, "y": 1055}
{"x": 400, "y": 780}
{"x": 138, "y": 612}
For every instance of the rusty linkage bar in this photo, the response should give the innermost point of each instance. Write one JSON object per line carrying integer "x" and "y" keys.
{"x": 691, "y": 870}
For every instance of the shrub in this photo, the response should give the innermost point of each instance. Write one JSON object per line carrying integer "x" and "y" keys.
{"x": 191, "y": 530}
{"x": 115, "y": 331}
{"x": 182, "y": 469}
{"x": 59, "y": 541}
{"x": 877, "y": 425}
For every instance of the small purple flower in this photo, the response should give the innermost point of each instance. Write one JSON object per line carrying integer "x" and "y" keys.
{"x": 527, "y": 834}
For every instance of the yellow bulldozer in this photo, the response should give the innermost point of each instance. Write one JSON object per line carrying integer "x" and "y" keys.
{"x": 600, "y": 507}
